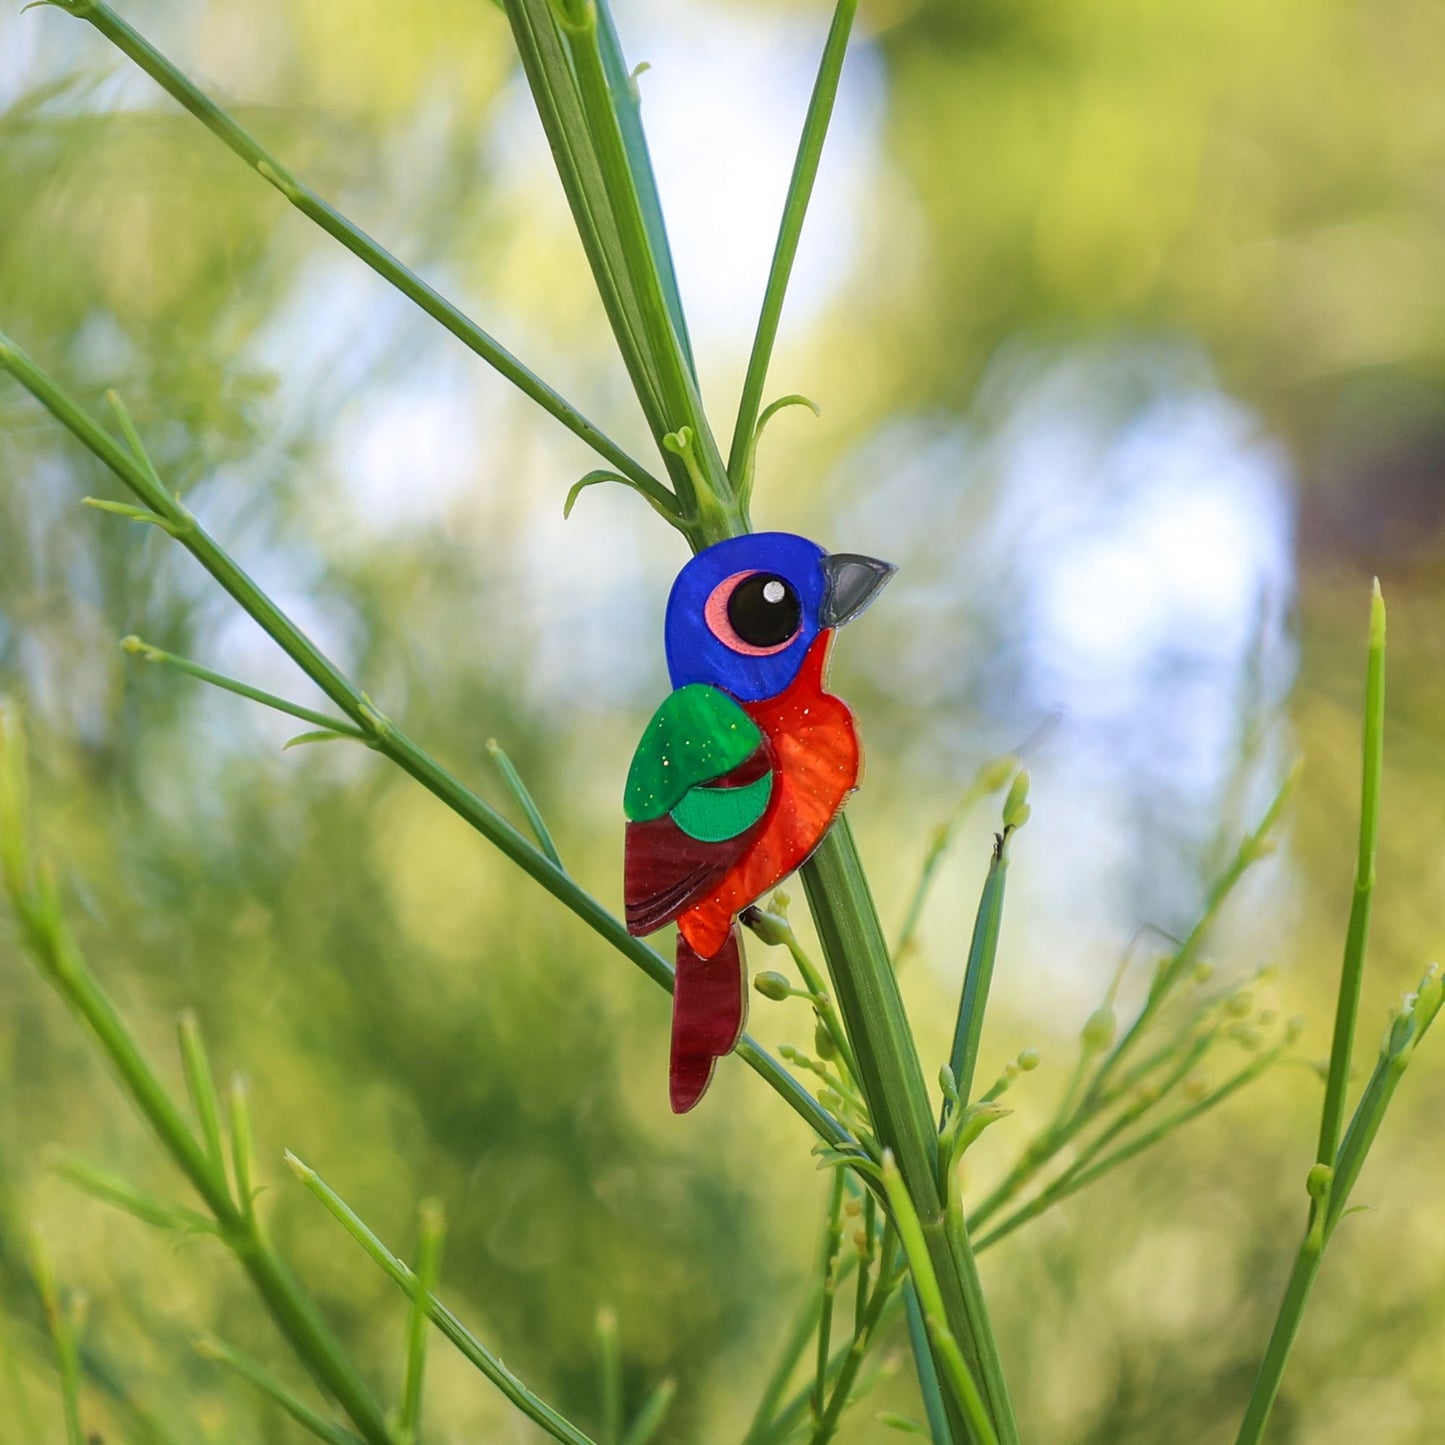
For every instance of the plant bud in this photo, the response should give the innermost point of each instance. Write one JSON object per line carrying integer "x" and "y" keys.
{"x": 1318, "y": 1180}
{"x": 995, "y": 773}
{"x": 1029, "y": 1060}
{"x": 1015, "y": 806}
{"x": 773, "y": 928}
{"x": 1427, "y": 1000}
{"x": 1099, "y": 1029}
{"x": 823, "y": 1041}
{"x": 1239, "y": 1005}
{"x": 772, "y": 985}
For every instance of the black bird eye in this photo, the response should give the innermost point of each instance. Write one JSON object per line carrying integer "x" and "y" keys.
{"x": 764, "y": 610}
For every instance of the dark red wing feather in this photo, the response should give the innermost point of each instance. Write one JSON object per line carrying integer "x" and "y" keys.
{"x": 666, "y": 871}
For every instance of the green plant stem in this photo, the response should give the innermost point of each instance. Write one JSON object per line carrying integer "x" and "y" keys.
{"x": 866, "y": 988}
{"x": 627, "y": 102}
{"x": 471, "y": 1349}
{"x": 832, "y": 1241}
{"x": 960, "y": 1378}
{"x": 61, "y": 1324}
{"x": 982, "y": 951}
{"x": 648, "y": 1420}
{"x": 144, "y": 650}
{"x": 562, "y": 53}
{"x": 1082, "y": 1106}
{"x": 929, "y": 1386}
{"x": 385, "y": 737}
{"x": 1083, "y": 1172}
{"x": 261, "y": 1379}
{"x": 428, "y": 1269}
{"x": 1330, "y": 1193}
{"x": 609, "y": 1376}
{"x": 821, "y": 999}
{"x": 1337, "y": 1166}
{"x": 525, "y": 801}
{"x": 1357, "y": 935}
{"x": 865, "y": 1325}
{"x": 201, "y": 1084}
{"x": 800, "y": 190}
{"x": 1250, "y": 851}
{"x": 760, "y": 1429}
{"x": 793, "y": 1415}
{"x": 229, "y": 131}
{"x": 63, "y": 966}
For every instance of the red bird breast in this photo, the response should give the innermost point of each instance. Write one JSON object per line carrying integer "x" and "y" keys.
{"x": 816, "y": 764}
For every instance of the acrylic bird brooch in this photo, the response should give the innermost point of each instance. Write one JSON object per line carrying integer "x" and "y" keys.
{"x": 741, "y": 770}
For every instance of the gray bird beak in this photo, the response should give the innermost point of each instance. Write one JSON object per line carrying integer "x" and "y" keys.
{"x": 853, "y": 583}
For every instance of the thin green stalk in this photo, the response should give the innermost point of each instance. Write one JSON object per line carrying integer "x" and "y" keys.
{"x": 1329, "y": 1190}
{"x": 868, "y": 1252}
{"x": 384, "y": 735}
{"x": 930, "y": 1298}
{"x": 471, "y": 1349}
{"x": 865, "y": 1325}
{"x": 775, "y": 928}
{"x": 1082, "y": 1106}
{"x": 794, "y": 1343}
{"x": 140, "y": 648}
{"x": 36, "y": 905}
{"x": 292, "y": 1310}
{"x": 1083, "y": 1173}
{"x": 428, "y": 1270}
{"x": 242, "y": 1150}
{"x": 1256, "y": 846}
{"x": 201, "y": 1083}
{"x": 60, "y": 1320}
{"x": 794, "y": 1414}
{"x": 990, "y": 778}
{"x": 649, "y": 1419}
{"x": 609, "y": 1375}
{"x": 524, "y": 800}
{"x": 1333, "y": 1175}
{"x": 108, "y": 1190}
{"x": 978, "y": 976}
{"x": 832, "y": 1241}
{"x": 562, "y": 53}
{"x": 627, "y": 102}
{"x": 866, "y": 988}
{"x": 229, "y": 131}
{"x": 929, "y": 1386}
{"x": 261, "y": 1379}
{"x": 1357, "y": 935}
{"x": 795, "y": 208}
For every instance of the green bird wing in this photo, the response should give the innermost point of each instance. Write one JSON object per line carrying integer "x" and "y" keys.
{"x": 696, "y": 737}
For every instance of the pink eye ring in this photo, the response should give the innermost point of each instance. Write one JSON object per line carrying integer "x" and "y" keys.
{"x": 754, "y": 613}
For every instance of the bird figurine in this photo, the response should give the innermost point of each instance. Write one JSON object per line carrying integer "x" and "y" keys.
{"x": 741, "y": 770}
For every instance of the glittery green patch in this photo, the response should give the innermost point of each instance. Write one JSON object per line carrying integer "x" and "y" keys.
{"x": 698, "y": 734}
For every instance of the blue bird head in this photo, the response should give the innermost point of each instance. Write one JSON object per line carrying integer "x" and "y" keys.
{"x": 744, "y": 612}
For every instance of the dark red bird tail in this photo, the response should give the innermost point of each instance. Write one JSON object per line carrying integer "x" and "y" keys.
{"x": 709, "y": 1008}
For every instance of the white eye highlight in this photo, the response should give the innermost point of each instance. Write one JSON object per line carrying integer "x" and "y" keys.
{"x": 774, "y": 591}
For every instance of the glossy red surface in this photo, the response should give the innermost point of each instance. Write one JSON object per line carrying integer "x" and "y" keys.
{"x": 709, "y": 1009}
{"x": 816, "y": 757}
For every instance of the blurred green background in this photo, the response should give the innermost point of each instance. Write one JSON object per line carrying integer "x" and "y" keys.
{"x": 1127, "y": 324}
